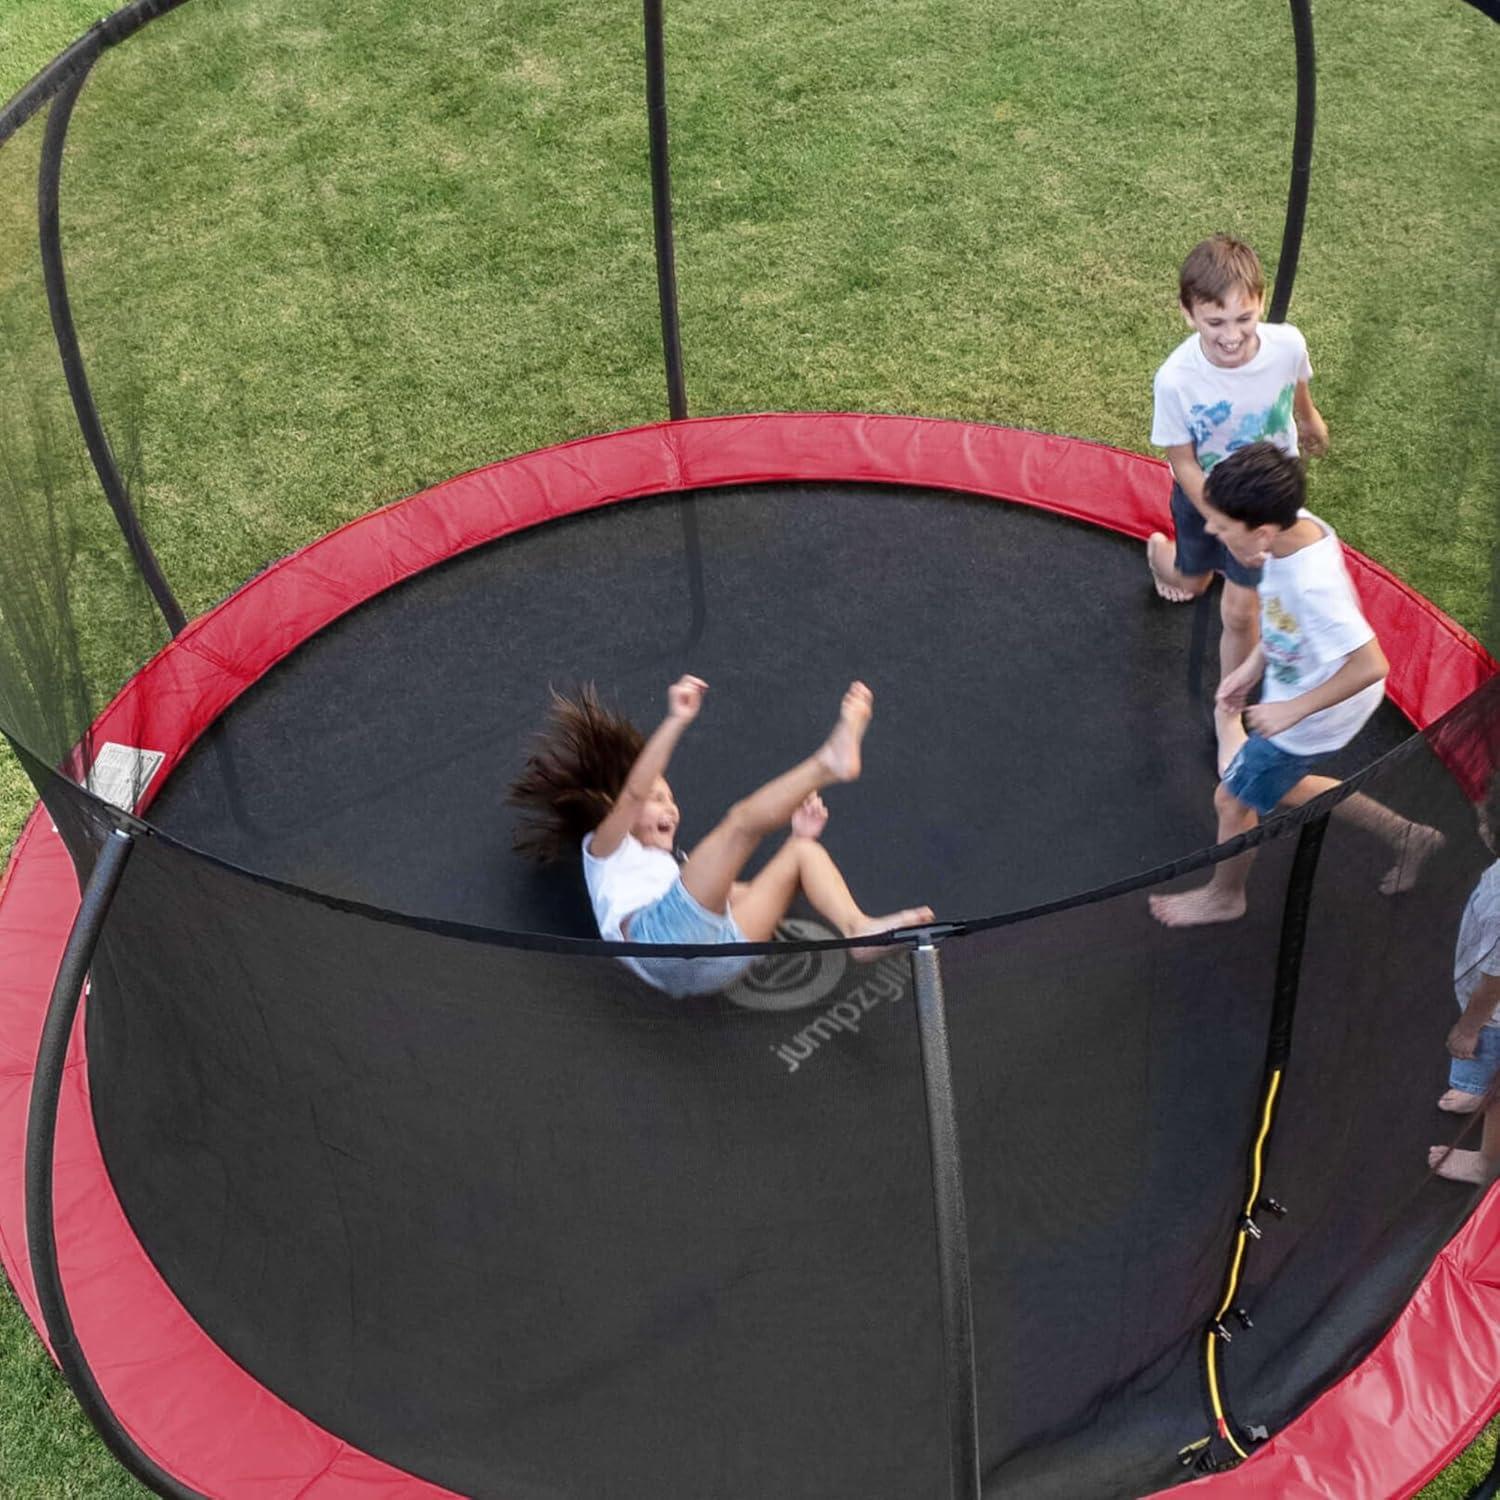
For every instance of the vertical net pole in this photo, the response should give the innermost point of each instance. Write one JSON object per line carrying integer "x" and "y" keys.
{"x": 666, "y": 290}
{"x": 1302, "y": 147}
{"x": 661, "y": 207}
{"x": 1298, "y": 905}
{"x": 952, "y": 1226}
{"x": 41, "y": 1145}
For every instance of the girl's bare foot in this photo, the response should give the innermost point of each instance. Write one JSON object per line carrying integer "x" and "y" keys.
{"x": 1460, "y": 1102}
{"x": 1462, "y": 1166}
{"x": 913, "y": 916}
{"x": 1163, "y": 570}
{"x": 1198, "y": 908}
{"x": 840, "y": 754}
{"x": 811, "y": 818}
{"x": 1414, "y": 852}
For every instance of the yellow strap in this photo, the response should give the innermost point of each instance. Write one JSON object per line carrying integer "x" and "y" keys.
{"x": 1237, "y": 1263}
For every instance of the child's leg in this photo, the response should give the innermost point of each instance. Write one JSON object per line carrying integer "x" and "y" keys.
{"x": 1239, "y": 613}
{"x": 1481, "y": 1167}
{"x": 1411, "y": 842}
{"x": 1181, "y": 568}
{"x": 804, "y": 863}
{"x": 1173, "y": 586}
{"x": 1223, "y": 898}
{"x": 716, "y": 862}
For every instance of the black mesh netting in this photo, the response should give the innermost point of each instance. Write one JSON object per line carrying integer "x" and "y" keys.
{"x": 498, "y": 1213}
{"x": 516, "y": 1222}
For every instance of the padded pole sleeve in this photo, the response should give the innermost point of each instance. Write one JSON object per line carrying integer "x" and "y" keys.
{"x": 952, "y": 1228}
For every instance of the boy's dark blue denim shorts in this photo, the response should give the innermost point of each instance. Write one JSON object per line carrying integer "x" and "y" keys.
{"x": 1198, "y": 552}
{"x": 1263, "y": 773}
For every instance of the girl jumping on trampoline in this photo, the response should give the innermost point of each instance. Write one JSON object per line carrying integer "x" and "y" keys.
{"x": 594, "y": 780}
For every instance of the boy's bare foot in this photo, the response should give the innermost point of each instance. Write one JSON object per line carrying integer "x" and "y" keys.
{"x": 840, "y": 753}
{"x": 1460, "y": 1102}
{"x": 913, "y": 916}
{"x": 1160, "y": 560}
{"x": 1462, "y": 1166}
{"x": 811, "y": 818}
{"x": 1198, "y": 908}
{"x": 1415, "y": 850}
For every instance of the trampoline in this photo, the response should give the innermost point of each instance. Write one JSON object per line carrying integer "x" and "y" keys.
{"x": 376, "y": 1174}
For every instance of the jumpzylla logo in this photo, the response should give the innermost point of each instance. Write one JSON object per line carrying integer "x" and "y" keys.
{"x": 797, "y": 981}
{"x": 793, "y": 980}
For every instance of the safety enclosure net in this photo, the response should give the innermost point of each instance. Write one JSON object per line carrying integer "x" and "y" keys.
{"x": 403, "y": 1139}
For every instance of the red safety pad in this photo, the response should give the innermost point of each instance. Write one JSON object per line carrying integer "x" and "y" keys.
{"x": 1418, "y": 1398}
{"x": 184, "y": 1401}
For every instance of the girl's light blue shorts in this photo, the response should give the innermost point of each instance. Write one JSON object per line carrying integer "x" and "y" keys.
{"x": 677, "y": 918}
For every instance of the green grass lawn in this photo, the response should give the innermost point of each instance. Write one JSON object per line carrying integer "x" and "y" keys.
{"x": 324, "y": 254}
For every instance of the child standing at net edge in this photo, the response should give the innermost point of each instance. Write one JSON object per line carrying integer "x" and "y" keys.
{"x": 1322, "y": 673}
{"x": 1232, "y": 382}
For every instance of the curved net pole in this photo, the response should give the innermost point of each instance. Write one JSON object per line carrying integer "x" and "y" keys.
{"x": 78, "y": 57}
{"x": 49, "y": 222}
{"x": 1302, "y": 146}
{"x": 41, "y": 1142}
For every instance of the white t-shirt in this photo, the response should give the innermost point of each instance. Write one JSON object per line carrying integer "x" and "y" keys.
{"x": 630, "y": 878}
{"x": 1478, "y": 950}
{"x": 1218, "y": 410}
{"x": 1310, "y": 621}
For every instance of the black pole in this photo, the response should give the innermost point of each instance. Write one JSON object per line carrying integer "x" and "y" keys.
{"x": 1302, "y": 146}
{"x": 81, "y": 55}
{"x": 661, "y": 207}
{"x": 48, "y": 177}
{"x": 41, "y": 1141}
{"x": 952, "y": 1228}
{"x": 666, "y": 291}
{"x": 1295, "y": 912}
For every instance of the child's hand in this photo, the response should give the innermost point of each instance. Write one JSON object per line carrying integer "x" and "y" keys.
{"x": 811, "y": 818}
{"x": 685, "y": 698}
{"x": 1236, "y": 688}
{"x": 1312, "y": 434}
{"x": 1268, "y": 719}
{"x": 1463, "y": 1040}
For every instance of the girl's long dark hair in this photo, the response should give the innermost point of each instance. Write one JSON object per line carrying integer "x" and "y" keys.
{"x": 577, "y": 767}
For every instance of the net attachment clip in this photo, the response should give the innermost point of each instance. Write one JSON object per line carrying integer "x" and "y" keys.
{"x": 1272, "y": 1206}
{"x": 1193, "y": 1452}
{"x": 930, "y": 935}
{"x": 1250, "y": 1227}
{"x": 1220, "y": 1332}
{"x": 1244, "y": 1319}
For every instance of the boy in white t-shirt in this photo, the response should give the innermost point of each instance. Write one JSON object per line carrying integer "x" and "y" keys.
{"x": 1322, "y": 673}
{"x": 1234, "y": 381}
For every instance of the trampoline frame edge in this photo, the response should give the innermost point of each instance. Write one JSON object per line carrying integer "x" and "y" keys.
{"x": 1089, "y": 482}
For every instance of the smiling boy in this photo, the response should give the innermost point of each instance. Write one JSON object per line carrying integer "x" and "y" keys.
{"x": 1322, "y": 673}
{"x": 1233, "y": 381}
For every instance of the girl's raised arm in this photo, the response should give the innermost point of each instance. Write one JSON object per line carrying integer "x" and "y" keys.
{"x": 684, "y": 698}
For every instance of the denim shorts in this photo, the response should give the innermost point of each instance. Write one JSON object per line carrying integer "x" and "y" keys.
{"x": 1263, "y": 773}
{"x": 677, "y": 918}
{"x": 1473, "y": 1074}
{"x": 1198, "y": 552}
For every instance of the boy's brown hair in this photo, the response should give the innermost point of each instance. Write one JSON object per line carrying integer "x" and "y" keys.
{"x": 1217, "y": 266}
